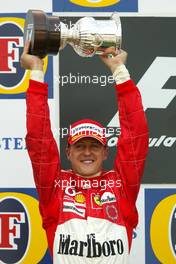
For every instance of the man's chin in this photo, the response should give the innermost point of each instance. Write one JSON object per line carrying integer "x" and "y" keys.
{"x": 89, "y": 174}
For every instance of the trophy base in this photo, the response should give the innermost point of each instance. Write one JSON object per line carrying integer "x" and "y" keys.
{"x": 43, "y": 32}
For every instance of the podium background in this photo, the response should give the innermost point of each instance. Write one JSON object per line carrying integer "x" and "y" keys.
{"x": 150, "y": 39}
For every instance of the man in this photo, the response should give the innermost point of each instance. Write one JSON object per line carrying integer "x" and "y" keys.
{"x": 88, "y": 214}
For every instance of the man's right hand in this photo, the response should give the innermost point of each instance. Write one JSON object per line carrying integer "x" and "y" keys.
{"x": 118, "y": 58}
{"x": 30, "y": 62}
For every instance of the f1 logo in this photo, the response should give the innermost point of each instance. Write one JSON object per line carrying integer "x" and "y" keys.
{"x": 9, "y": 53}
{"x": 10, "y": 229}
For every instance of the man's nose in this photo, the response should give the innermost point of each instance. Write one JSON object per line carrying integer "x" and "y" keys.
{"x": 87, "y": 150}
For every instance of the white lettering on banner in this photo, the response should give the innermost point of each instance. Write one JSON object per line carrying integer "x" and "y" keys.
{"x": 164, "y": 141}
{"x": 151, "y": 85}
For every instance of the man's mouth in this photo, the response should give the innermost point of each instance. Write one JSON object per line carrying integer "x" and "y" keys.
{"x": 90, "y": 161}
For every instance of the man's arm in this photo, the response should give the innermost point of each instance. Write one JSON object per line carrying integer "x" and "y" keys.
{"x": 40, "y": 142}
{"x": 133, "y": 141}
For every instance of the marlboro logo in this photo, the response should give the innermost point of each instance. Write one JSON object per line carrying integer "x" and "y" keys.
{"x": 90, "y": 248}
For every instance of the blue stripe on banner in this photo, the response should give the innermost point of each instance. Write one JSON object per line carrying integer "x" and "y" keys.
{"x": 95, "y": 6}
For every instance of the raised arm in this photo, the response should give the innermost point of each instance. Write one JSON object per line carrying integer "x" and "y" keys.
{"x": 133, "y": 141}
{"x": 40, "y": 142}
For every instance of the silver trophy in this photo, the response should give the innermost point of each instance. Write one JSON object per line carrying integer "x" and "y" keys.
{"x": 88, "y": 36}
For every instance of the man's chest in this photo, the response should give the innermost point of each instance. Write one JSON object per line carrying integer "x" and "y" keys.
{"x": 100, "y": 202}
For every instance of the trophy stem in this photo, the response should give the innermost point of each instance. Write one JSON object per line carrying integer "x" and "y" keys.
{"x": 70, "y": 36}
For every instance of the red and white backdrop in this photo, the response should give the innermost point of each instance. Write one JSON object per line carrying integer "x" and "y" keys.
{"x": 79, "y": 88}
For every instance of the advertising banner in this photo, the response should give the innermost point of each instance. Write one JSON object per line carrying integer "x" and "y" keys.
{"x": 23, "y": 239}
{"x": 95, "y": 5}
{"x": 160, "y": 223}
{"x": 86, "y": 90}
{"x": 157, "y": 7}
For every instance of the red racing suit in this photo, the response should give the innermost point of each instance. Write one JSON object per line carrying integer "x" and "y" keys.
{"x": 88, "y": 220}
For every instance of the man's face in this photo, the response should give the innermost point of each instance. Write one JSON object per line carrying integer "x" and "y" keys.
{"x": 87, "y": 156}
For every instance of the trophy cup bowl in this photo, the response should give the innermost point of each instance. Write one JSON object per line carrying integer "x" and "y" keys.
{"x": 89, "y": 36}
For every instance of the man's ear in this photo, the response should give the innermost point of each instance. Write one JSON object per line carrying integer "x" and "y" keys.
{"x": 106, "y": 152}
{"x": 67, "y": 152}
